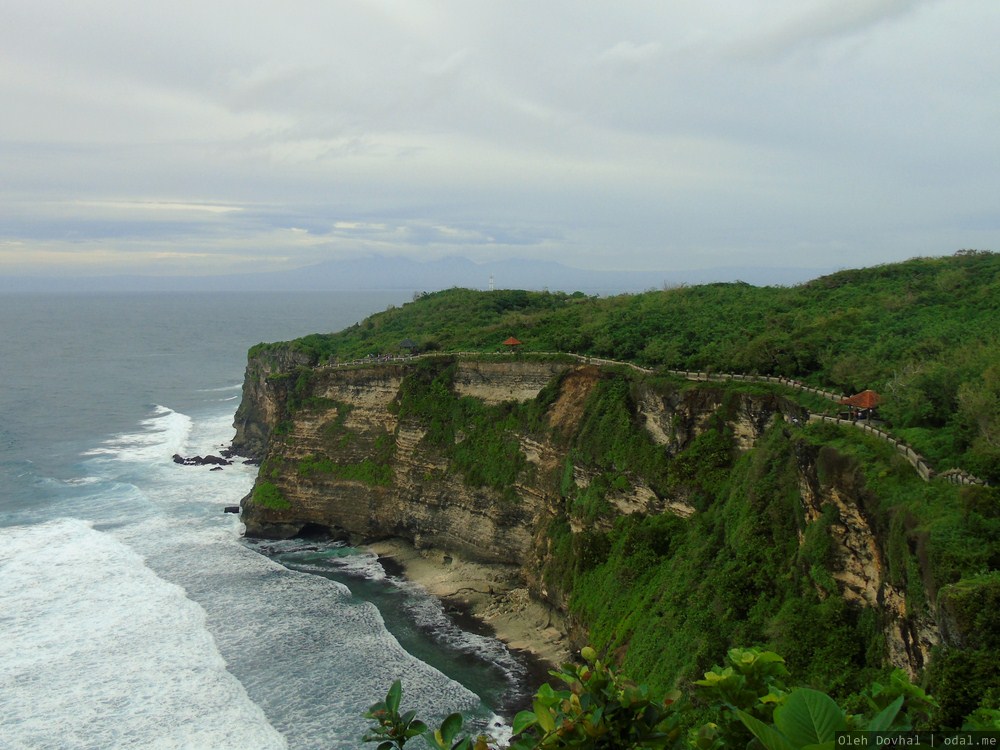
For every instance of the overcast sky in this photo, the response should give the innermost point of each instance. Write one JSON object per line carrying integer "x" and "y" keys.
{"x": 208, "y": 136}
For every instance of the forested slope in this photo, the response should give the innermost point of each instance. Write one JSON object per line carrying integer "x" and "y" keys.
{"x": 924, "y": 333}
{"x": 673, "y": 520}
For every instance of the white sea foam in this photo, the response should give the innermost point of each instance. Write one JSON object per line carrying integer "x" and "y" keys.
{"x": 164, "y": 433}
{"x": 222, "y": 389}
{"x": 362, "y": 564}
{"x": 428, "y": 613}
{"x": 307, "y": 652}
{"x": 113, "y": 632}
{"x": 99, "y": 652}
{"x": 82, "y": 481}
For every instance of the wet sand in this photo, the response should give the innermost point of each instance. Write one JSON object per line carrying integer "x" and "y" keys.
{"x": 484, "y": 599}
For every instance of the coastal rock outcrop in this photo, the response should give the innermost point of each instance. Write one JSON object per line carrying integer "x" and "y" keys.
{"x": 343, "y": 455}
{"x": 208, "y": 460}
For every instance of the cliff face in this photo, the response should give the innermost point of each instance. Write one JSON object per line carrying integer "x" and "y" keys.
{"x": 859, "y": 565}
{"x": 344, "y": 459}
{"x": 346, "y": 418}
{"x": 264, "y": 400}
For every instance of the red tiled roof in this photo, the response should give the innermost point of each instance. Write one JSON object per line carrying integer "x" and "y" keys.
{"x": 863, "y": 400}
{"x": 512, "y": 342}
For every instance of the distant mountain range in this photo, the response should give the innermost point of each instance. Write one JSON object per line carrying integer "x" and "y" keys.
{"x": 384, "y": 273}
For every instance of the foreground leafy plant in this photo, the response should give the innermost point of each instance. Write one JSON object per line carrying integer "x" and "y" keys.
{"x": 751, "y": 681}
{"x": 751, "y": 704}
{"x": 392, "y": 730}
{"x": 598, "y": 709}
{"x": 811, "y": 719}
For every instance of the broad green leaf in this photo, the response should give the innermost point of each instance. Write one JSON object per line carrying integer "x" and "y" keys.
{"x": 885, "y": 717}
{"x": 523, "y": 720}
{"x": 809, "y": 717}
{"x": 545, "y": 720}
{"x": 393, "y": 697}
{"x": 597, "y": 715}
{"x": 769, "y": 737}
{"x": 767, "y": 657}
{"x": 450, "y": 727}
{"x": 546, "y": 695}
{"x": 416, "y": 729}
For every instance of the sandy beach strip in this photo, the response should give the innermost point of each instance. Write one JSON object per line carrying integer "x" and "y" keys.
{"x": 491, "y": 594}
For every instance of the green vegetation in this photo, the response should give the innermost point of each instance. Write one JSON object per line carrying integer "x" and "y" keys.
{"x": 924, "y": 333}
{"x": 666, "y": 593}
{"x": 367, "y": 471}
{"x": 267, "y": 495}
{"x": 746, "y": 703}
{"x": 671, "y": 593}
{"x": 479, "y": 440}
{"x": 755, "y": 559}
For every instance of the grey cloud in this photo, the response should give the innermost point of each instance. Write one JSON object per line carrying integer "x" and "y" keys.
{"x": 824, "y": 21}
{"x": 627, "y": 134}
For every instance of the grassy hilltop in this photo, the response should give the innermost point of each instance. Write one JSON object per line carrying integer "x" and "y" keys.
{"x": 924, "y": 333}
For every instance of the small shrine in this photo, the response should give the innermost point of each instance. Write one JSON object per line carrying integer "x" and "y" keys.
{"x": 862, "y": 405}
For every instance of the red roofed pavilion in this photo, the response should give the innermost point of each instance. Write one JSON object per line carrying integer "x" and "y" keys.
{"x": 512, "y": 343}
{"x": 862, "y": 405}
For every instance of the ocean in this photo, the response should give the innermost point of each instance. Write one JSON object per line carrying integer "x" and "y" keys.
{"x": 134, "y": 615}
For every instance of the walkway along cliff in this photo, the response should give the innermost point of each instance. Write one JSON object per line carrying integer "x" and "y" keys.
{"x": 662, "y": 519}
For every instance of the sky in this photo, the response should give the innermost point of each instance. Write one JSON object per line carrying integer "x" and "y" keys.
{"x": 208, "y": 137}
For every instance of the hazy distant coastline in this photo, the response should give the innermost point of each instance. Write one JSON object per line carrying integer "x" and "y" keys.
{"x": 385, "y": 274}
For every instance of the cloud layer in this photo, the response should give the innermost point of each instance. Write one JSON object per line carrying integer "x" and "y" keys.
{"x": 212, "y": 136}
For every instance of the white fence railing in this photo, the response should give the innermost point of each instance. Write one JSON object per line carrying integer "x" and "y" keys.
{"x": 920, "y": 465}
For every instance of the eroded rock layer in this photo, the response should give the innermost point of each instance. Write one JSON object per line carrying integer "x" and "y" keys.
{"x": 339, "y": 456}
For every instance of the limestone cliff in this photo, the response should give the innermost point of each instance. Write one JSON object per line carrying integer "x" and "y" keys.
{"x": 341, "y": 455}
{"x": 294, "y": 418}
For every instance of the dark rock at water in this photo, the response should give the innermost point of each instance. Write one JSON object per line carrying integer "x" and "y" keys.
{"x": 231, "y": 509}
{"x": 216, "y": 468}
{"x": 268, "y": 549}
{"x": 208, "y": 460}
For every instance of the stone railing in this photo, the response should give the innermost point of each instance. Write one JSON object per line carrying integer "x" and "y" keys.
{"x": 960, "y": 476}
{"x": 829, "y": 395}
{"x": 610, "y": 363}
{"x": 919, "y": 464}
{"x": 915, "y": 459}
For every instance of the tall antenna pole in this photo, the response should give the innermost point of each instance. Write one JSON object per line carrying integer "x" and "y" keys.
{"x": 491, "y": 282}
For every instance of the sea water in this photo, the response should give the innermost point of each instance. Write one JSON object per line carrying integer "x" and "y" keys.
{"x": 134, "y": 614}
